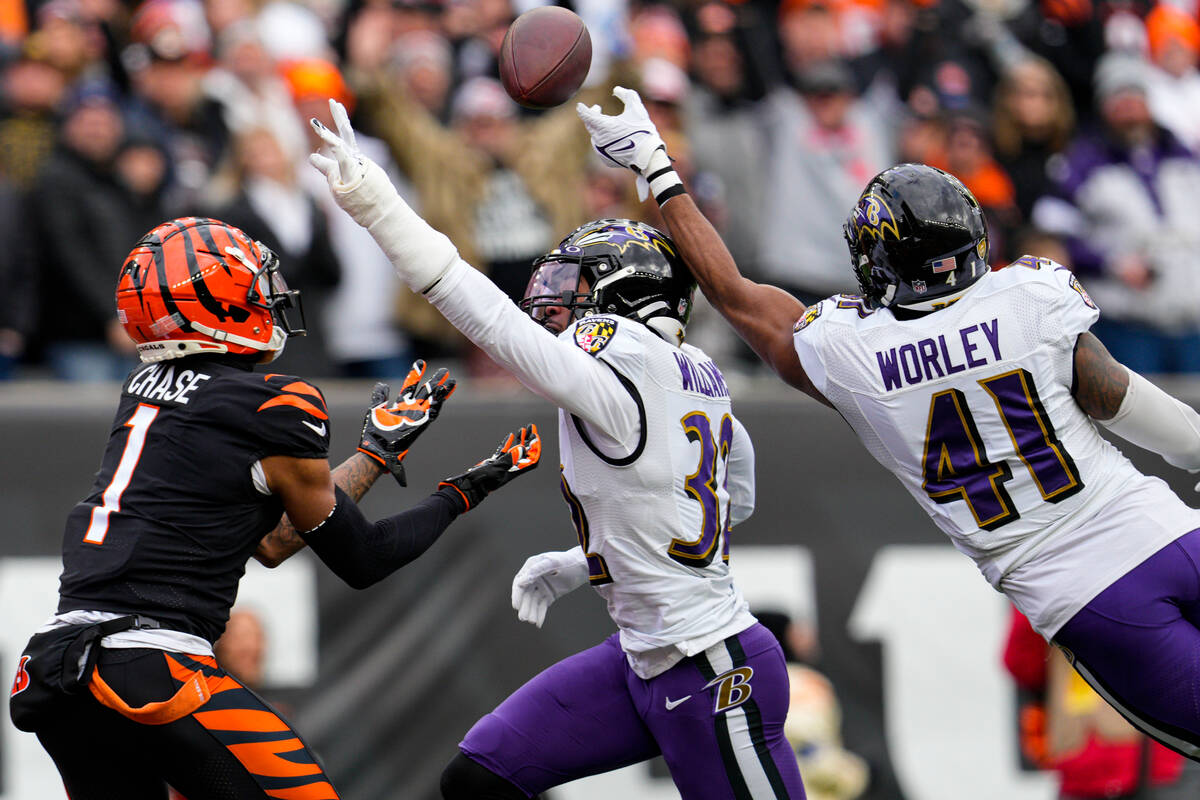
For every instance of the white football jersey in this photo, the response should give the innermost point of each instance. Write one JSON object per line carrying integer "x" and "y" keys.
{"x": 971, "y": 408}
{"x": 654, "y": 521}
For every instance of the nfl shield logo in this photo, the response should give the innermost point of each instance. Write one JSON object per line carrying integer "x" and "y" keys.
{"x": 919, "y": 287}
{"x": 944, "y": 265}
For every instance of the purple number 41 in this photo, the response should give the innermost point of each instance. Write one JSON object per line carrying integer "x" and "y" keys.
{"x": 956, "y": 463}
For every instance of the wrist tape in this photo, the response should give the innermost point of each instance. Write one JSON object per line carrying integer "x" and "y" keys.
{"x": 664, "y": 181}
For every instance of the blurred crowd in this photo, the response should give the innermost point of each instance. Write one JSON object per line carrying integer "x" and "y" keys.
{"x": 1075, "y": 122}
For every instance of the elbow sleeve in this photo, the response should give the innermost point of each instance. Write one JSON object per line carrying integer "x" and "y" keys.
{"x": 1153, "y": 419}
{"x": 362, "y": 553}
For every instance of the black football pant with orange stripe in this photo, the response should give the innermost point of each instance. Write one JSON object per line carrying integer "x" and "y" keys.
{"x": 232, "y": 747}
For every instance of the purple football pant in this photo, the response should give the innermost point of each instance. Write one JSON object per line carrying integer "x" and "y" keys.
{"x": 716, "y": 718}
{"x": 1138, "y": 645}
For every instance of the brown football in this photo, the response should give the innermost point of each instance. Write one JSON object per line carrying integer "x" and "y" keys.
{"x": 545, "y": 56}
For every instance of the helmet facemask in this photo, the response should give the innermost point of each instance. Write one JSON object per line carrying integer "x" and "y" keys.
{"x": 613, "y": 266}
{"x": 270, "y": 290}
{"x": 559, "y": 281}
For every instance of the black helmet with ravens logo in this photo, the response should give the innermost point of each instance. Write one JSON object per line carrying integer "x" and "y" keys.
{"x": 614, "y": 266}
{"x": 917, "y": 238}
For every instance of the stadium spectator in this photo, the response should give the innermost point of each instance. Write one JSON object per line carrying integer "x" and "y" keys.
{"x": 65, "y": 38}
{"x": 823, "y": 145}
{"x": 272, "y": 206}
{"x": 1066, "y": 727}
{"x": 1123, "y": 200}
{"x": 167, "y": 61}
{"x": 362, "y": 334}
{"x": 82, "y": 227}
{"x": 31, "y": 89}
{"x": 1032, "y": 120}
{"x": 18, "y": 286}
{"x": 968, "y": 157}
{"x": 246, "y": 85}
{"x": 814, "y": 720}
{"x": 142, "y": 169}
{"x": 723, "y": 128}
{"x": 242, "y": 648}
{"x": 423, "y": 60}
{"x": 1173, "y": 37}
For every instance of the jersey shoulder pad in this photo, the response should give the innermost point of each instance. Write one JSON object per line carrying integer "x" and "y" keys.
{"x": 847, "y": 307}
{"x": 290, "y": 416}
{"x": 1032, "y": 268}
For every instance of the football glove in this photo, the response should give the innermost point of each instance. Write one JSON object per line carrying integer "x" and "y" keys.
{"x": 630, "y": 139}
{"x": 516, "y": 455}
{"x": 389, "y": 430}
{"x": 419, "y": 254}
{"x": 543, "y": 579}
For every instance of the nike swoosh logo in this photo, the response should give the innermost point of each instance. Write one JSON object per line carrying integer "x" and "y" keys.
{"x": 672, "y": 703}
{"x": 319, "y": 430}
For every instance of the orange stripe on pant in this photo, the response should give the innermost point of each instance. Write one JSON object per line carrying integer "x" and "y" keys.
{"x": 265, "y": 758}
{"x": 241, "y": 719}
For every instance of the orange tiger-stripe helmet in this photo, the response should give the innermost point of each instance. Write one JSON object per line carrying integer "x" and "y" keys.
{"x": 197, "y": 285}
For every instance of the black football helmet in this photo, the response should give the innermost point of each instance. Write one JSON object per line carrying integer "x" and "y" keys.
{"x": 916, "y": 236}
{"x": 614, "y": 266}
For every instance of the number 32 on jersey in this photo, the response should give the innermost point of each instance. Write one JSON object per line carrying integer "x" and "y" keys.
{"x": 711, "y": 473}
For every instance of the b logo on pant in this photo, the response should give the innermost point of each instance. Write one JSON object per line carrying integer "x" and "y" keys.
{"x": 733, "y": 688}
{"x": 21, "y": 682}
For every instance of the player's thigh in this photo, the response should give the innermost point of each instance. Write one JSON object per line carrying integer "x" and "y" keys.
{"x": 575, "y": 718}
{"x": 97, "y": 758}
{"x": 233, "y": 747}
{"x": 718, "y": 718}
{"x": 1137, "y": 643}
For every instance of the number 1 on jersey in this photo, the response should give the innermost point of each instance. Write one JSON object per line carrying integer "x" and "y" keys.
{"x": 139, "y": 425}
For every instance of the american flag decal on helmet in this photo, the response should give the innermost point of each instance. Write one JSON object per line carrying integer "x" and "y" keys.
{"x": 944, "y": 265}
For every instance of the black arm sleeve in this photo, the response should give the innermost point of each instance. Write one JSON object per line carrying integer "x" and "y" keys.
{"x": 362, "y": 553}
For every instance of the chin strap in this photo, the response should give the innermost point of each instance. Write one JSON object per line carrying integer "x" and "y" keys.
{"x": 165, "y": 349}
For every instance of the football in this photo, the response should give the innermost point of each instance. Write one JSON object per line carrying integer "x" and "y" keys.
{"x": 545, "y": 56}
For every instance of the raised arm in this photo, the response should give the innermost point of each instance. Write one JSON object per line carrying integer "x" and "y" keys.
{"x": 362, "y": 553}
{"x": 762, "y": 315}
{"x": 429, "y": 263}
{"x": 388, "y": 432}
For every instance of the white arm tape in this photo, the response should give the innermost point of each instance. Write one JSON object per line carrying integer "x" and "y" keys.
{"x": 548, "y": 366}
{"x": 420, "y": 254}
{"x": 1153, "y": 419}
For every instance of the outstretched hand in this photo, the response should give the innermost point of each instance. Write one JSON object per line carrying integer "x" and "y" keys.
{"x": 390, "y": 430}
{"x": 629, "y": 139}
{"x": 363, "y": 190}
{"x": 347, "y": 166}
{"x": 517, "y": 455}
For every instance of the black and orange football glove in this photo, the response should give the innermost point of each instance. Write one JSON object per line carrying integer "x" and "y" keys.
{"x": 389, "y": 430}
{"x": 516, "y": 455}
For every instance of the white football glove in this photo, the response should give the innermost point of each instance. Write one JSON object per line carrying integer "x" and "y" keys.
{"x": 630, "y": 139}
{"x": 543, "y": 579}
{"x": 420, "y": 254}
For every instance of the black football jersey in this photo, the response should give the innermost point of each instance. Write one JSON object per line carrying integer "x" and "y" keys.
{"x": 173, "y": 514}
